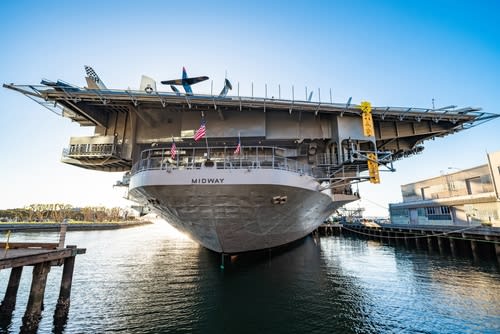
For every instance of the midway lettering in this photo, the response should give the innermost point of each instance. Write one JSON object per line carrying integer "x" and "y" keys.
{"x": 206, "y": 180}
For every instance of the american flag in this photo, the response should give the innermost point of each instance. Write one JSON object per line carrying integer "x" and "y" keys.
{"x": 200, "y": 133}
{"x": 173, "y": 150}
{"x": 238, "y": 147}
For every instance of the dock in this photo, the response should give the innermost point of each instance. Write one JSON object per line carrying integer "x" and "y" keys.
{"x": 41, "y": 256}
{"x": 479, "y": 242}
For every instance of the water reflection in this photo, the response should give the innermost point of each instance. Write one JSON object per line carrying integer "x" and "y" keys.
{"x": 148, "y": 280}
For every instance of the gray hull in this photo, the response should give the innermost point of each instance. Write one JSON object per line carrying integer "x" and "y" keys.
{"x": 234, "y": 211}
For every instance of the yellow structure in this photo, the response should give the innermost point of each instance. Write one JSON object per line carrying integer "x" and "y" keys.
{"x": 366, "y": 113}
{"x": 373, "y": 168}
{"x": 368, "y": 131}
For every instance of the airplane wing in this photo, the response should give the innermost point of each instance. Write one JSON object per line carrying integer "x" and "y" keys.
{"x": 172, "y": 82}
{"x": 189, "y": 81}
{"x": 192, "y": 81}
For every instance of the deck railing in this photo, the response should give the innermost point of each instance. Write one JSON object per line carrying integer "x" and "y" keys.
{"x": 256, "y": 157}
{"x": 91, "y": 150}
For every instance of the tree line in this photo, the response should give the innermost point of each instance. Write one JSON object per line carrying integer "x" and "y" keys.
{"x": 57, "y": 212}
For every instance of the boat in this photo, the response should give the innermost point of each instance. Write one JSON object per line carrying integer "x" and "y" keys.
{"x": 239, "y": 173}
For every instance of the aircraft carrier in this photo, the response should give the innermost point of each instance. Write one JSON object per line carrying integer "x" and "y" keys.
{"x": 239, "y": 173}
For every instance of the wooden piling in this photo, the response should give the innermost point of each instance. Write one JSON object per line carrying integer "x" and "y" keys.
{"x": 33, "y": 312}
{"x": 453, "y": 247}
{"x": 497, "y": 252}
{"x": 9, "y": 301}
{"x": 495, "y": 248}
{"x": 417, "y": 242}
{"x": 474, "y": 249}
{"x": 41, "y": 256}
{"x": 62, "y": 307}
{"x": 440, "y": 245}
{"x": 450, "y": 239}
{"x": 429, "y": 244}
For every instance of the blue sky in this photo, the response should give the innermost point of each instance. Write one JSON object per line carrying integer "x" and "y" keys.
{"x": 397, "y": 53}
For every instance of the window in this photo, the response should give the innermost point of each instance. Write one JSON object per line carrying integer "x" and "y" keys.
{"x": 399, "y": 212}
{"x": 423, "y": 191}
{"x": 438, "y": 213}
{"x": 474, "y": 185}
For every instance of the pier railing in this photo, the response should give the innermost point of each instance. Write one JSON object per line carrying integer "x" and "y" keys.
{"x": 256, "y": 157}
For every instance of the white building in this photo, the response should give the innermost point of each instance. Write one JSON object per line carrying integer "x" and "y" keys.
{"x": 466, "y": 197}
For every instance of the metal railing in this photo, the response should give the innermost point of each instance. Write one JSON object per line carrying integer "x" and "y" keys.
{"x": 40, "y": 93}
{"x": 91, "y": 150}
{"x": 256, "y": 157}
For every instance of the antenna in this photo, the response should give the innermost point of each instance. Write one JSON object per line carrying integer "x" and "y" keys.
{"x": 433, "y": 107}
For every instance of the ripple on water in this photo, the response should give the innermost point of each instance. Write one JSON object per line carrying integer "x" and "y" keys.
{"x": 146, "y": 280}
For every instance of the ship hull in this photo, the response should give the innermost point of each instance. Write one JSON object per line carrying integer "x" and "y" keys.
{"x": 233, "y": 211}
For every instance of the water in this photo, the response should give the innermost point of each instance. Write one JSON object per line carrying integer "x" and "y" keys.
{"x": 149, "y": 279}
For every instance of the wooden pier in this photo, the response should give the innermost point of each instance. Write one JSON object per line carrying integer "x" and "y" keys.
{"x": 42, "y": 256}
{"x": 479, "y": 242}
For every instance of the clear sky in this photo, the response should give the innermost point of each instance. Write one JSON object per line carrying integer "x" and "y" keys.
{"x": 396, "y": 53}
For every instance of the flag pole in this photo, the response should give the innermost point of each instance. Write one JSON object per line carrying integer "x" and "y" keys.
{"x": 206, "y": 139}
{"x": 208, "y": 149}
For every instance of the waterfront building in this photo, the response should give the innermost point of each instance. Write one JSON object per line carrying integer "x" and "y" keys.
{"x": 465, "y": 197}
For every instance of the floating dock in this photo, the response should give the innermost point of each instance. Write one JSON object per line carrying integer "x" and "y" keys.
{"x": 42, "y": 256}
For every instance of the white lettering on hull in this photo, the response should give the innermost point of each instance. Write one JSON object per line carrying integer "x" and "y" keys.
{"x": 207, "y": 180}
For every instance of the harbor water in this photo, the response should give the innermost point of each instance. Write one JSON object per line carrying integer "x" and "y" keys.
{"x": 151, "y": 279}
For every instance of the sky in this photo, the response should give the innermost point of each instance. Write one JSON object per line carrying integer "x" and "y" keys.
{"x": 391, "y": 53}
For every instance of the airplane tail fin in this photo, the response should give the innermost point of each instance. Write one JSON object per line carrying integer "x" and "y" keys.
{"x": 227, "y": 87}
{"x": 93, "y": 80}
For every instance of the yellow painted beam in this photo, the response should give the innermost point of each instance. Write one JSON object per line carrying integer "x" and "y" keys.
{"x": 366, "y": 114}
{"x": 373, "y": 168}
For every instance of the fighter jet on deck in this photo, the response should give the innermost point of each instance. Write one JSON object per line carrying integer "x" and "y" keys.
{"x": 185, "y": 82}
{"x": 93, "y": 80}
